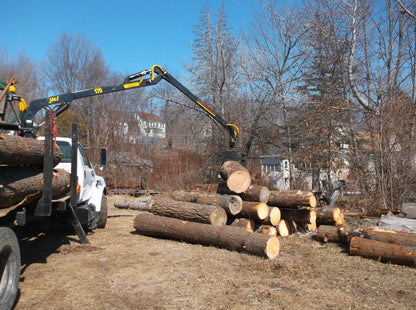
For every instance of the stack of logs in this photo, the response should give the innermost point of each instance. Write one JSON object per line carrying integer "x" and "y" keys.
{"x": 234, "y": 210}
{"x": 21, "y": 173}
{"x": 385, "y": 245}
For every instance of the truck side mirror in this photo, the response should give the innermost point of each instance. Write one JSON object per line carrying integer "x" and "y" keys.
{"x": 103, "y": 156}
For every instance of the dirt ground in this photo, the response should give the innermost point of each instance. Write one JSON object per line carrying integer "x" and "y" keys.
{"x": 124, "y": 270}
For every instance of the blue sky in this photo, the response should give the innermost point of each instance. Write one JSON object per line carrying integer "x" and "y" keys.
{"x": 132, "y": 35}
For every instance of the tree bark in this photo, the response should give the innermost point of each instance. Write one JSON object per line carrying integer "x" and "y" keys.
{"x": 188, "y": 211}
{"x": 256, "y": 193}
{"x": 332, "y": 216}
{"x": 257, "y": 211}
{"x": 238, "y": 178}
{"x": 15, "y": 150}
{"x": 390, "y": 236}
{"x": 231, "y": 238}
{"x": 299, "y": 215}
{"x": 292, "y": 199}
{"x": 337, "y": 234}
{"x": 386, "y": 252}
{"x": 23, "y": 185}
{"x": 232, "y": 204}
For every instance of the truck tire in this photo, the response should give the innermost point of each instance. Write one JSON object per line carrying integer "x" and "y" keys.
{"x": 102, "y": 220}
{"x": 9, "y": 268}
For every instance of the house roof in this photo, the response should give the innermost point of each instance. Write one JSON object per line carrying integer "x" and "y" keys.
{"x": 149, "y": 117}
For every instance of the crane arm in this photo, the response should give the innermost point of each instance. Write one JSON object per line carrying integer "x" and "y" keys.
{"x": 60, "y": 103}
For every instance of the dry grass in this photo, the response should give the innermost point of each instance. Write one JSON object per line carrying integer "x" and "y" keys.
{"x": 124, "y": 270}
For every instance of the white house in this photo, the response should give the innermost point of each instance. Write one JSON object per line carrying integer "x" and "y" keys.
{"x": 151, "y": 126}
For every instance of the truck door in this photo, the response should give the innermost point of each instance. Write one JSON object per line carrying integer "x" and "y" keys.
{"x": 86, "y": 175}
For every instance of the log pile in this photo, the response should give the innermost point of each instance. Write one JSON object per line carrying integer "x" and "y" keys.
{"x": 21, "y": 173}
{"x": 245, "y": 209}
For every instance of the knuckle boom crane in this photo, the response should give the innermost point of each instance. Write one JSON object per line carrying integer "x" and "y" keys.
{"x": 60, "y": 103}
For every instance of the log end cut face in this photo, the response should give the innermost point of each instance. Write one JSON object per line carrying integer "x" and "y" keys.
{"x": 239, "y": 181}
{"x": 218, "y": 217}
{"x": 272, "y": 248}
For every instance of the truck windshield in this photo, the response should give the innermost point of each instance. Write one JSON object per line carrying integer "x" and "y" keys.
{"x": 66, "y": 150}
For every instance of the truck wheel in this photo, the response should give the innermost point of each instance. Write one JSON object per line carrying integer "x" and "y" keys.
{"x": 9, "y": 267}
{"x": 102, "y": 220}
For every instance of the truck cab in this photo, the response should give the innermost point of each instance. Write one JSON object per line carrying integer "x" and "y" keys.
{"x": 91, "y": 207}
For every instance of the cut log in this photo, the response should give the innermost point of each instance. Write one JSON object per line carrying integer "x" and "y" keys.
{"x": 210, "y": 187}
{"x": 283, "y": 229}
{"x": 256, "y": 193}
{"x": 232, "y": 204}
{"x": 326, "y": 216}
{"x": 273, "y": 218}
{"x": 188, "y": 211}
{"x": 23, "y": 185}
{"x": 386, "y": 252}
{"x": 390, "y": 236}
{"x": 267, "y": 230}
{"x": 15, "y": 150}
{"x": 299, "y": 215}
{"x": 292, "y": 199}
{"x": 238, "y": 178}
{"x": 121, "y": 204}
{"x": 330, "y": 233}
{"x": 245, "y": 223}
{"x": 257, "y": 211}
{"x": 231, "y": 238}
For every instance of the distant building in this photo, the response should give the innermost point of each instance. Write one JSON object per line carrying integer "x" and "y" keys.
{"x": 150, "y": 125}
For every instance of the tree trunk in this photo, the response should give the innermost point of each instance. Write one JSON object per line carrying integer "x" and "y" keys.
{"x": 188, "y": 211}
{"x": 338, "y": 234}
{"x": 231, "y": 238}
{"x": 254, "y": 210}
{"x": 232, "y": 204}
{"x": 238, "y": 178}
{"x": 15, "y": 150}
{"x": 253, "y": 193}
{"x": 332, "y": 216}
{"x": 23, "y": 185}
{"x": 292, "y": 199}
{"x": 243, "y": 222}
{"x": 256, "y": 193}
{"x": 299, "y": 215}
{"x": 391, "y": 236}
{"x": 386, "y": 252}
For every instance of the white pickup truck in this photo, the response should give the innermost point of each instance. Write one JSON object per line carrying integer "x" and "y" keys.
{"x": 91, "y": 207}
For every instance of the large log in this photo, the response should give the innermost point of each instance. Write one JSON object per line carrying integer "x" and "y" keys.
{"x": 231, "y": 238}
{"x": 329, "y": 216}
{"x": 232, "y": 204}
{"x": 386, "y": 252}
{"x": 188, "y": 211}
{"x": 15, "y": 150}
{"x": 257, "y": 211}
{"x": 390, "y": 236}
{"x": 238, "y": 178}
{"x": 338, "y": 234}
{"x": 23, "y": 185}
{"x": 292, "y": 199}
{"x": 299, "y": 215}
